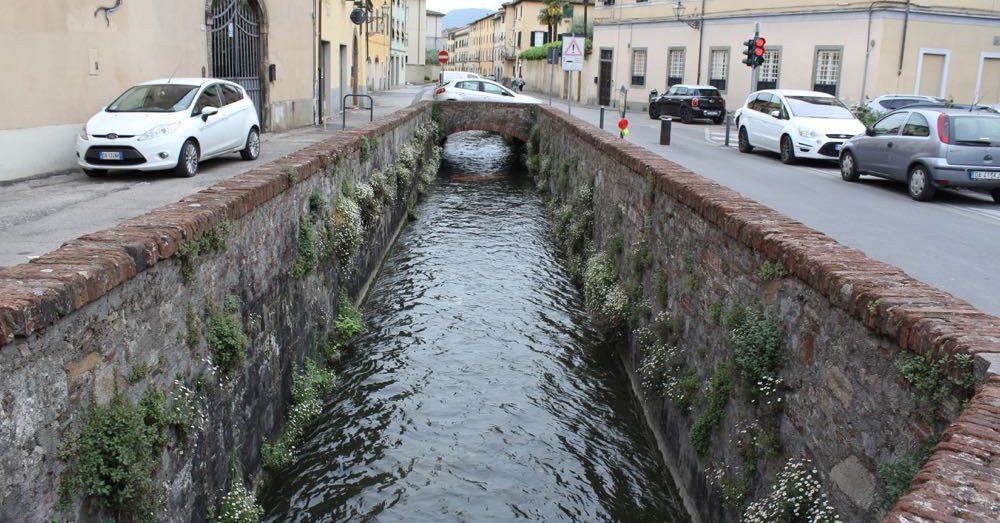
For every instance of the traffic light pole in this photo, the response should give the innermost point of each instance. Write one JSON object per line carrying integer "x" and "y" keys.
{"x": 753, "y": 68}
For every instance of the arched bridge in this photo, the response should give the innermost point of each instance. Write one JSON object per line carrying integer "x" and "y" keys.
{"x": 507, "y": 119}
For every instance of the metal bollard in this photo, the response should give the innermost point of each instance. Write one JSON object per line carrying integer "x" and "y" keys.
{"x": 729, "y": 123}
{"x": 602, "y": 117}
{"x": 665, "y": 124}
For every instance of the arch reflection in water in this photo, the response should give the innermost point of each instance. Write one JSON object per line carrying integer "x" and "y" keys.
{"x": 478, "y": 393}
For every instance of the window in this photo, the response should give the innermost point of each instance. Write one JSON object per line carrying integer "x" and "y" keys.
{"x": 890, "y": 124}
{"x": 818, "y": 107}
{"x": 917, "y": 126}
{"x": 208, "y": 97}
{"x": 471, "y": 86}
{"x": 639, "y": 67}
{"x": 159, "y": 98}
{"x": 538, "y": 38}
{"x": 492, "y": 89}
{"x": 761, "y": 103}
{"x": 675, "y": 67}
{"x": 518, "y": 40}
{"x": 770, "y": 70}
{"x": 231, "y": 94}
{"x": 718, "y": 68}
{"x": 827, "y": 73}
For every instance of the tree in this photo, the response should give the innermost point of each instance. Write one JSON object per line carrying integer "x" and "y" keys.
{"x": 551, "y": 15}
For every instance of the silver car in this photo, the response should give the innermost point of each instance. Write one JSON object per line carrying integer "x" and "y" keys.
{"x": 929, "y": 149}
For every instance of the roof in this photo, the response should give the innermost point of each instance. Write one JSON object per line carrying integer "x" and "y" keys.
{"x": 694, "y": 86}
{"x": 181, "y": 81}
{"x": 433, "y": 13}
{"x": 795, "y": 92}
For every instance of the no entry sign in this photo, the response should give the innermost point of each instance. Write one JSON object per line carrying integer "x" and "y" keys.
{"x": 443, "y": 57}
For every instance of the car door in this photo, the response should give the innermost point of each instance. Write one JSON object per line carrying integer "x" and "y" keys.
{"x": 873, "y": 152}
{"x": 211, "y": 130}
{"x": 672, "y": 102}
{"x": 766, "y": 127}
{"x": 468, "y": 91}
{"x": 234, "y": 117}
{"x": 494, "y": 93}
{"x": 914, "y": 142}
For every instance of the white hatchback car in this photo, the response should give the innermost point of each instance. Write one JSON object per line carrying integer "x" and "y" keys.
{"x": 170, "y": 124}
{"x": 796, "y": 124}
{"x": 480, "y": 90}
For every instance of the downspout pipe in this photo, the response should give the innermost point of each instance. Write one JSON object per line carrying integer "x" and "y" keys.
{"x": 701, "y": 39}
{"x": 868, "y": 46}
{"x": 902, "y": 44}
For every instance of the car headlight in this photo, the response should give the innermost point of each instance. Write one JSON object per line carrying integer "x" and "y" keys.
{"x": 83, "y": 133}
{"x": 158, "y": 131}
{"x": 807, "y": 133}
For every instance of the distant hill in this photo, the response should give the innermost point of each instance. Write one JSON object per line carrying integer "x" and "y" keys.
{"x": 462, "y": 17}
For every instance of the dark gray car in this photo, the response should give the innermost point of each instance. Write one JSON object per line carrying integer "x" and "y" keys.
{"x": 929, "y": 148}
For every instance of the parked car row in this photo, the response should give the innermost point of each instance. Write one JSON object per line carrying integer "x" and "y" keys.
{"x": 170, "y": 124}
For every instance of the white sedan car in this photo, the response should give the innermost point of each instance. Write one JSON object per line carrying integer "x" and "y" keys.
{"x": 170, "y": 124}
{"x": 480, "y": 90}
{"x": 795, "y": 124}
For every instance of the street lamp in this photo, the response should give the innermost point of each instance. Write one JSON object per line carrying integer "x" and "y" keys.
{"x": 692, "y": 22}
{"x": 385, "y": 18}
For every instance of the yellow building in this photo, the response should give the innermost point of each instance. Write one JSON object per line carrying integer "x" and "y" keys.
{"x": 341, "y": 58}
{"x": 65, "y": 62}
{"x": 524, "y": 31}
{"x": 855, "y": 50}
{"x": 377, "y": 57}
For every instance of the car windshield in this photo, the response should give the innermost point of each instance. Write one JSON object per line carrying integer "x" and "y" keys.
{"x": 978, "y": 129}
{"x": 817, "y": 107}
{"x": 705, "y": 92}
{"x": 159, "y": 98}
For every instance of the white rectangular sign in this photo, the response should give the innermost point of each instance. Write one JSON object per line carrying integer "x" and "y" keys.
{"x": 572, "y": 53}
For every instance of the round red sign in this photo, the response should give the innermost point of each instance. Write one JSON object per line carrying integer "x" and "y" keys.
{"x": 443, "y": 57}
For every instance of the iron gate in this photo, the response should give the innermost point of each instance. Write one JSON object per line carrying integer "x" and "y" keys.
{"x": 236, "y": 47}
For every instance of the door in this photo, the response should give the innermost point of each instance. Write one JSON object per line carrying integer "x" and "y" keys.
{"x": 325, "y": 104}
{"x": 672, "y": 102}
{"x": 914, "y": 142}
{"x": 770, "y": 125}
{"x": 342, "y": 81}
{"x": 604, "y": 78}
{"x": 467, "y": 90}
{"x": 756, "y": 121}
{"x": 234, "y": 116}
{"x": 236, "y": 47}
{"x": 495, "y": 93}
{"x": 873, "y": 152}
{"x": 211, "y": 131}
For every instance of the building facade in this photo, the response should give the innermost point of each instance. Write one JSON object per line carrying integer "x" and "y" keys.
{"x": 90, "y": 58}
{"x": 377, "y": 35}
{"x": 437, "y": 38}
{"x": 854, "y": 50}
{"x": 398, "y": 42}
{"x": 341, "y": 58}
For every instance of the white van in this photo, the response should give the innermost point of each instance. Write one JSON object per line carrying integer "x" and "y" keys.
{"x": 447, "y": 76}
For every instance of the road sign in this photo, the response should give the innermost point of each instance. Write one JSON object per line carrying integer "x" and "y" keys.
{"x": 443, "y": 57}
{"x": 553, "y": 55}
{"x": 572, "y": 53}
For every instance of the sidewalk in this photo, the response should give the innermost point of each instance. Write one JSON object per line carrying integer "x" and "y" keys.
{"x": 39, "y": 215}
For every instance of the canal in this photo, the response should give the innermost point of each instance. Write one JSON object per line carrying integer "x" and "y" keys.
{"x": 478, "y": 391}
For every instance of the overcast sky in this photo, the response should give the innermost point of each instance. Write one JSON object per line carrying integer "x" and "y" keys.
{"x": 443, "y": 6}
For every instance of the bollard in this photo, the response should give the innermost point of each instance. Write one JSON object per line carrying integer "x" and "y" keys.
{"x": 729, "y": 123}
{"x": 665, "y": 123}
{"x": 602, "y": 117}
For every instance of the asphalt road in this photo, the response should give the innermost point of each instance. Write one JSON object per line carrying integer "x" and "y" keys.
{"x": 38, "y": 216}
{"x": 951, "y": 243}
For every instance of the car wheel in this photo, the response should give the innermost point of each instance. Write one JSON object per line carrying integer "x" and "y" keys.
{"x": 686, "y": 115}
{"x": 95, "y": 173}
{"x": 787, "y": 150}
{"x": 654, "y": 114}
{"x": 920, "y": 184}
{"x": 187, "y": 161}
{"x": 744, "y": 141}
{"x": 849, "y": 167}
{"x": 995, "y": 193}
{"x": 719, "y": 120}
{"x": 252, "y": 149}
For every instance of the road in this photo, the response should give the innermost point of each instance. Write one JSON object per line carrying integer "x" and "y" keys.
{"x": 38, "y": 216}
{"x": 950, "y": 243}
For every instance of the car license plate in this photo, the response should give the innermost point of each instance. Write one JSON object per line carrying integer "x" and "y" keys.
{"x": 110, "y": 155}
{"x": 711, "y": 113}
{"x": 984, "y": 175}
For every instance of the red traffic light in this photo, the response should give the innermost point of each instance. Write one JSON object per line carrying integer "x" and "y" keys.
{"x": 759, "y": 51}
{"x": 759, "y": 42}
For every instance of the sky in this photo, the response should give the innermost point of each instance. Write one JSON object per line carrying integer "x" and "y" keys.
{"x": 443, "y": 6}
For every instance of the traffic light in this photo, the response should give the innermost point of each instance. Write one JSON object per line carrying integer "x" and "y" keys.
{"x": 758, "y": 51}
{"x": 748, "y": 53}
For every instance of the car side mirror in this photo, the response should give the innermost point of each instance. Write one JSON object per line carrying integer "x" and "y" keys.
{"x": 869, "y": 131}
{"x": 208, "y": 111}
{"x": 776, "y": 114}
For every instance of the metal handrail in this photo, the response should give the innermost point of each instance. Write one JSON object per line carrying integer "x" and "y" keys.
{"x": 371, "y": 107}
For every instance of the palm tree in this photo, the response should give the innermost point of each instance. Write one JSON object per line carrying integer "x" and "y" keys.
{"x": 551, "y": 15}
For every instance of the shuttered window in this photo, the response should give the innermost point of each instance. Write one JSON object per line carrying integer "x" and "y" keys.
{"x": 639, "y": 67}
{"x": 718, "y": 68}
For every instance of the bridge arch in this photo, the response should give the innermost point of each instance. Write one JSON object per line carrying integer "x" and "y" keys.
{"x": 514, "y": 120}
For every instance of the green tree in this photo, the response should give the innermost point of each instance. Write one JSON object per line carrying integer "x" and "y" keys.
{"x": 551, "y": 15}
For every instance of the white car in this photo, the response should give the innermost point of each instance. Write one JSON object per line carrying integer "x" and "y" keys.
{"x": 890, "y": 102}
{"x": 170, "y": 124}
{"x": 450, "y": 76}
{"x": 795, "y": 124}
{"x": 480, "y": 90}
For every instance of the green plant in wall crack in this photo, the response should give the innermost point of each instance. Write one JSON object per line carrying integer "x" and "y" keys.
{"x": 896, "y": 475}
{"x": 772, "y": 270}
{"x": 226, "y": 338}
{"x": 605, "y": 298}
{"x": 797, "y": 495}
{"x": 349, "y": 323}
{"x": 214, "y": 240}
{"x": 756, "y": 343}
{"x": 366, "y": 147}
{"x": 309, "y": 386}
{"x": 239, "y": 505}
{"x": 938, "y": 378}
{"x": 347, "y": 231}
{"x": 114, "y": 458}
{"x": 708, "y": 421}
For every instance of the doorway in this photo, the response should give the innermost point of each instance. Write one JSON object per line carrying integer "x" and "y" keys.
{"x": 604, "y": 78}
{"x": 324, "y": 82}
{"x": 236, "y": 47}
{"x": 341, "y": 91}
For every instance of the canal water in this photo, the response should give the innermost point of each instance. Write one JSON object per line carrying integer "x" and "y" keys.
{"x": 478, "y": 392}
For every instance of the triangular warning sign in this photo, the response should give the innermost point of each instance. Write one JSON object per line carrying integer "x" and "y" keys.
{"x": 573, "y": 48}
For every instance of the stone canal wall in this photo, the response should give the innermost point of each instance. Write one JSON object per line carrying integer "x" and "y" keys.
{"x": 189, "y": 322}
{"x": 769, "y": 355}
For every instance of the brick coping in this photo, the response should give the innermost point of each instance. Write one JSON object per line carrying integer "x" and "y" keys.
{"x": 37, "y": 294}
{"x": 962, "y": 478}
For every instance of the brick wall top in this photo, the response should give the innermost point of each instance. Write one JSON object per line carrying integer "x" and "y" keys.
{"x": 36, "y": 294}
{"x": 962, "y": 477}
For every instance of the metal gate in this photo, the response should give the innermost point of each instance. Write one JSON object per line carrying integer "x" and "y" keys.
{"x": 236, "y": 47}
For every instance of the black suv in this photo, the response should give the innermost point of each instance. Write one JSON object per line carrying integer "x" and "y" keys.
{"x": 688, "y": 102}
